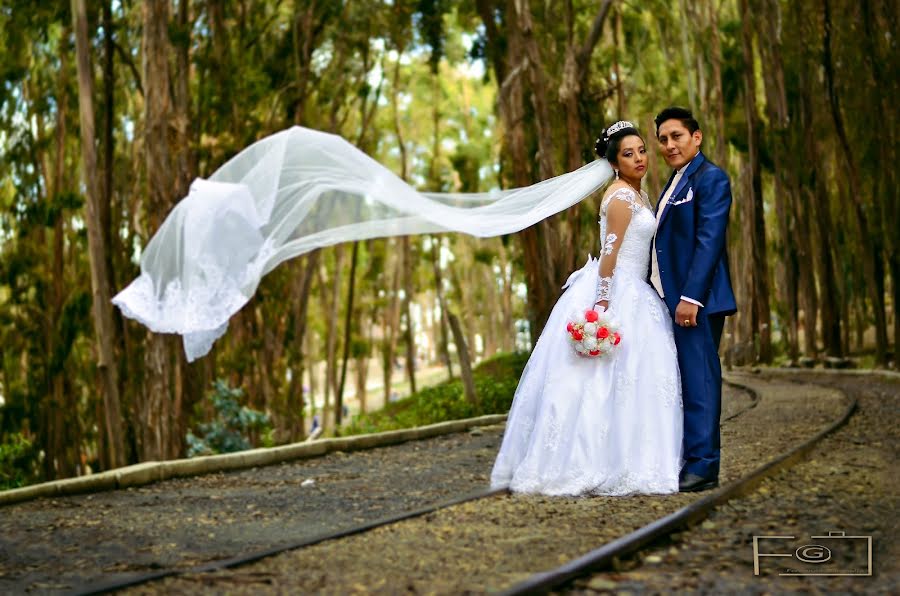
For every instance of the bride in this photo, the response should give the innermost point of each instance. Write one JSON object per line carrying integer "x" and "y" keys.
{"x": 608, "y": 426}
{"x": 577, "y": 425}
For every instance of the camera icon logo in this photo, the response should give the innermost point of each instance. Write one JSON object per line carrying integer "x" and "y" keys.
{"x": 834, "y": 554}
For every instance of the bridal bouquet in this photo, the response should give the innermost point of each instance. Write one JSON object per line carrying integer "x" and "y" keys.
{"x": 594, "y": 333}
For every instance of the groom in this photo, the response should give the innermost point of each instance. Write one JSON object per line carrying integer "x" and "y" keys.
{"x": 689, "y": 269}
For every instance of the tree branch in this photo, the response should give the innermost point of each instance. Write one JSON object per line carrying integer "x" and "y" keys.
{"x": 584, "y": 54}
{"x": 126, "y": 59}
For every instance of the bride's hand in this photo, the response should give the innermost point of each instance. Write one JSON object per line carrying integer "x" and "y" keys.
{"x": 604, "y": 304}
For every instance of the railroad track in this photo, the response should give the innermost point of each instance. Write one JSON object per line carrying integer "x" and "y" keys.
{"x": 544, "y": 580}
{"x": 266, "y": 529}
{"x": 605, "y": 556}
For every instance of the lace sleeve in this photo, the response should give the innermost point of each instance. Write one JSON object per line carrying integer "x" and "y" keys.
{"x": 618, "y": 215}
{"x": 625, "y": 194}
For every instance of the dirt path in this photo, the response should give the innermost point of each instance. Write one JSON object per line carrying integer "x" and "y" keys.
{"x": 71, "y": 542}
{"x": 491, "y": 544}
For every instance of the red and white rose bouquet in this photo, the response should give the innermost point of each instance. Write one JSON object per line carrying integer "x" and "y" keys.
{"x": 594, "y": 333}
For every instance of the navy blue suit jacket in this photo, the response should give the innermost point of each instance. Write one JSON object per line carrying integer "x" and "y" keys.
{"x": 690, "y": 239}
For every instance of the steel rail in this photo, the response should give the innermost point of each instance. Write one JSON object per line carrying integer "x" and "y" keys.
{"x": 604, "y": 556}
{"x": 112, "y": 586}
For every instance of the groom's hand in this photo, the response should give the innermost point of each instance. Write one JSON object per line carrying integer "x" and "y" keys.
{"x": 686, "y": 314}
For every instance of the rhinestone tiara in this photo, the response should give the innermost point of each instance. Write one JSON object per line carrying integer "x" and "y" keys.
{"x": 620, "y": 125}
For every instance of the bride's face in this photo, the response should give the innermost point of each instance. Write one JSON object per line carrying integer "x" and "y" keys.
{"x": 632, "y": 158}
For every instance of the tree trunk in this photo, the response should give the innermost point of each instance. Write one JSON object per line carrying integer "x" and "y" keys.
{"x": 222, "y": 68}
{"x": 617, "y": 39}
{"x": 716, "y": 56}
{"x": 760, "y": 266}
{"x": 104, "y": 328}
{"x": 538, "y": 90}
{"x": 684, "y": 28}
{"x": 508, "y": 323}
{"x": 570, "y": 89}
{"x": 163, "y": 388}
{"x": 348, "y": 324}
{"x": 465, "y": 365}
{"x": 551, "y": 262}
{"x": 881, "y": 57}
{"x": 297, "y": 357}
{"x": 748, "y": 322}
{"x": 506, "y": 49}
{"x": 391, "y": 326}
{"x": 802, "y": 237}
{"x": 439, "y": 290}
{"x": 197, "y": 376}
{"x": 785, "y": 172}
{"x": 409, "y": 335}
{"x": 184, "y": 160}
{"x": 61, "y": 435}
{"x": 829, "y": 297}
{"x": 806, "y": 267}
{"x": 871, "y": 255}
{"x": 509, "y": 72}
{"x": 109, "y": 81}
{"x": 362, "y": 369}
{"x": 331, "y": 381}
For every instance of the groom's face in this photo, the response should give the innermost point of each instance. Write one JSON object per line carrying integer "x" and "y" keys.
{"x": 677, "y": 144}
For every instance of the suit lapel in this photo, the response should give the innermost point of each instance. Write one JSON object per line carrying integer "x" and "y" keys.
{"x": 682, "y": 184}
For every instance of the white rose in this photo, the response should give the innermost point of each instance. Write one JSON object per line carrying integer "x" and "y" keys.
{"x": 580, "y": 348}
{"x": 590, "y": 343}
{"x": 590, "y": 329}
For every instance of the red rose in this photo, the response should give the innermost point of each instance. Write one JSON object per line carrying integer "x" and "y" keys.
{"x": 569, "y": 327}
{"x": 594, "y": 352}
{"x": 618, "y": 339}
{"x": 590, "y": 316}
{"x": 602, "y": 333}
{"x": 577, "y": 335}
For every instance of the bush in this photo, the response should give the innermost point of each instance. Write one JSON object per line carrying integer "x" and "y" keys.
{"x": 495, "y": 385}
{"x": 234, "y": 428}
{"x": 19, "y": 460}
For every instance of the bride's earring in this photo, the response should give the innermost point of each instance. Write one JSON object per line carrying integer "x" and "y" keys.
{"x": 617, "y": 174}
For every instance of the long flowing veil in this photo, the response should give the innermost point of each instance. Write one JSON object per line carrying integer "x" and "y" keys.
{"x": 290, "y": 193}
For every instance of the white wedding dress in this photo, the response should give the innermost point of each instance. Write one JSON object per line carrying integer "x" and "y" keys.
{"x": 608, "y": 426}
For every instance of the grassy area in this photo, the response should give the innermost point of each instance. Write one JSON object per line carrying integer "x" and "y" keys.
{"x": 495, "y": 384}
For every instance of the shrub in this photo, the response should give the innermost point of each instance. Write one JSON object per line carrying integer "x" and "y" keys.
{"x": 234, "y": 428}
{"x": 495, "y": 384}
{"x": 19, "y": 460}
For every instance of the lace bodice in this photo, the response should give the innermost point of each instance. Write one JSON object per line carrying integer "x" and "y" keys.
{"x": 634, "y": 247}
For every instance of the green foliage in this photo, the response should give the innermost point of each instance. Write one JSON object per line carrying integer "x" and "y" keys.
{"x": 431, "y": 26}
{"x": 495, "y": 384}
{"x": 233, "y": 427}
{"x": 360, "y": 348}
{"x": 19, "y": 461}
{"x": 423, "y": 76}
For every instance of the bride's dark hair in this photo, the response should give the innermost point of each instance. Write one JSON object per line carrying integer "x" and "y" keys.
{"x": 607, "y": 145}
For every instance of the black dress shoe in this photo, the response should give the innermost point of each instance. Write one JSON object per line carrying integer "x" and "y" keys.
{"x": 694, "y": 483}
